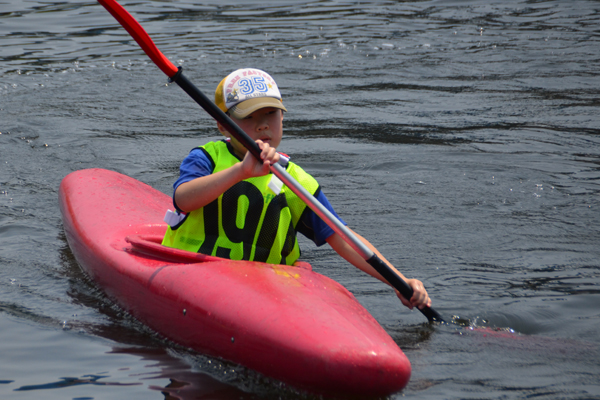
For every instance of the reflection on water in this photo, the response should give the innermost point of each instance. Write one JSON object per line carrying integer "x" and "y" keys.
{"x": 66, "y": 382}
{"x": 459, "y": 137}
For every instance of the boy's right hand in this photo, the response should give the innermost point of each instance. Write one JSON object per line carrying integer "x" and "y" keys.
{"x": 252, "y": 167}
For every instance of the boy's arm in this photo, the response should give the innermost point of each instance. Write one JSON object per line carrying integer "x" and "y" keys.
{"x": 420, "y": 297}
{"x": 197, "y": 193}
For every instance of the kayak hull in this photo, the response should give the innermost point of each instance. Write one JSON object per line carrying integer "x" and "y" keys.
{"x": 286, "y": 322}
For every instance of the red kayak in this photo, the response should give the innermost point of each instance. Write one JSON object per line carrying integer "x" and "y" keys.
{"x": 286, "y": 322}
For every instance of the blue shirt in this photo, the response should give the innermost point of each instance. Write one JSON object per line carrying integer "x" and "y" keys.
{"x": 197, "y": 164}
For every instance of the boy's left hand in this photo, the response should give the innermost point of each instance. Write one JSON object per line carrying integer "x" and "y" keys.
{"x": 420, "y": 297}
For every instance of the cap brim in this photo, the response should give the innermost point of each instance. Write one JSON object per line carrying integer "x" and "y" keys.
{"x": 247, "y": 107}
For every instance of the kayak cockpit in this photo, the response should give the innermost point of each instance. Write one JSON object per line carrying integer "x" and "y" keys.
{"x": 150, "y": 245}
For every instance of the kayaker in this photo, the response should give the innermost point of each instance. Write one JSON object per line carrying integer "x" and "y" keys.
{"x": 230, "y": 205}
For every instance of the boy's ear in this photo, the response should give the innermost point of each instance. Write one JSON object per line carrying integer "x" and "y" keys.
{"x": 222, "y": 130}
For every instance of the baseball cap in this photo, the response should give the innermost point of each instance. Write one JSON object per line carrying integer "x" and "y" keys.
{"x": 246, "y": 90}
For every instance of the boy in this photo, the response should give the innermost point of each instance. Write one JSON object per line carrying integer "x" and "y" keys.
{"x": 226, "y": 201}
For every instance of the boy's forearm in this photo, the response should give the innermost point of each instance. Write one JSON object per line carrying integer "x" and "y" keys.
{"x": 199, "y": 192}
{"x": 420, "y": 297}
{"x": 350, "y": 255}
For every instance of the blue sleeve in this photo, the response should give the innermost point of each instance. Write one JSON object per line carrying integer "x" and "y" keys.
{"x": 195, "y": 165}
{"x": 313, "y": 227}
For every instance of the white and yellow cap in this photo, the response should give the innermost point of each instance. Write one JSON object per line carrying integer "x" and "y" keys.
{"x": 246, "y": 90}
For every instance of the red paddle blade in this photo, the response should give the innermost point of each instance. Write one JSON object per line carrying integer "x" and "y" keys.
{"x": 140, "y": 36}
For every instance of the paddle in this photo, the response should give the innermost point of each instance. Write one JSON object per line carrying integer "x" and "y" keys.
{"x": 175, "y": 75}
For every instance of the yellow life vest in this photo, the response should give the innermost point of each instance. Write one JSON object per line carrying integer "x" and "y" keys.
{"x": 247, "y": 222}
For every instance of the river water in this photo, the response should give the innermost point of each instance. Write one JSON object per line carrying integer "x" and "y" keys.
{"x": 460, "y": 137}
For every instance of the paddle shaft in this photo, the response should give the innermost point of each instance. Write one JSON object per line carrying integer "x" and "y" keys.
{"x": 175, "y": 75}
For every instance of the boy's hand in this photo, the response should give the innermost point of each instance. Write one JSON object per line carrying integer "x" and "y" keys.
{"x": 252, "y": 167}
{"x": 420, "y": 297}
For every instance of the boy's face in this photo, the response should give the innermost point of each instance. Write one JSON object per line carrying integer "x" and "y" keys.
{"x": 265, "y": 124}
